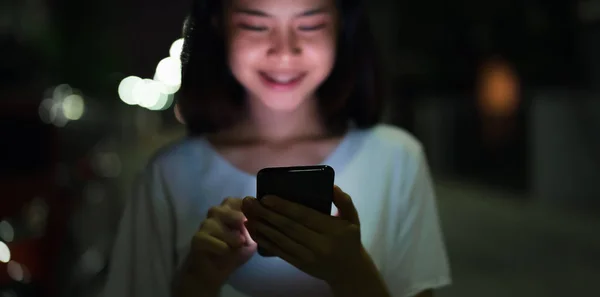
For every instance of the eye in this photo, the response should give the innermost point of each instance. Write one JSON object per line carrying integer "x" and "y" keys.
{"x": 311, "y": 28}
{"x": 253, "y": 28}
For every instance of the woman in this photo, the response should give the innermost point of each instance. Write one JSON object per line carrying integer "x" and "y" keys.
{"x": 278, "y": 83}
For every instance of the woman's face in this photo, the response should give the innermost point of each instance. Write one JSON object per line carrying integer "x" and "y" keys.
{"x": 281, "y": 50}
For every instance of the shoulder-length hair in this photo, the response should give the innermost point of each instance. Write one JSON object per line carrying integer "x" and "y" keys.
{"x": 211, "y": 99}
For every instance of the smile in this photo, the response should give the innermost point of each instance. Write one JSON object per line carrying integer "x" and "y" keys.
{"x": 281, "y": 81}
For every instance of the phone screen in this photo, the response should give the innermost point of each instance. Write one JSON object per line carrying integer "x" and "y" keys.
{"x": 311, "y": 186}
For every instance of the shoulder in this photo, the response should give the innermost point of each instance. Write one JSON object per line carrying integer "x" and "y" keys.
{"x": 396, "y": 138}
{"x": 179, "y": 151}
{"x": 394, "y": 142}
{"x": 176, "y": 158}
{"x": 177, "y": 173}
{"x": 395, "y": 154}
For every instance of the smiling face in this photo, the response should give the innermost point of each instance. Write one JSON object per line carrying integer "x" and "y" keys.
{"x": 281, "y": 51}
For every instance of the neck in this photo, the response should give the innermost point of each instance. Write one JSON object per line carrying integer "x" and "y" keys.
{"x": 270, "y": 125}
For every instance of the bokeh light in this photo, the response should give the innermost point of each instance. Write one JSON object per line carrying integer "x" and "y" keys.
{"x": 126, "y": 88}
{"x": 65, "y": 104}
{"x": 168, "y": 71}
{"x": 92, "y": 261}
{"x": 36, "y": 215}
{"x": 61, "y": 91}
{"x": 176, "y": 48}
{"x": 163, "y": 102}
{"x": 57, "y": 116}
{"x": 498, "y": 89}
{"x": 73, "y": 107}
{"x": 18, "y": 272}
{"x": 44, "y": 110}
{"x": 107, "y": 164}
{"x": 149, "y": 93}
{"x": 7, "y": 232}
{"x": 4, "y": 253}
{"x": 157, "y": 93}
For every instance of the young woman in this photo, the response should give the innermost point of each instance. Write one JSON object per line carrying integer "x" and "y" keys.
{"x": 271, "y": 83}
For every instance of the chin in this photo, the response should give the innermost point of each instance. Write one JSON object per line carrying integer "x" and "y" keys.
{"x": 282, "y": 102}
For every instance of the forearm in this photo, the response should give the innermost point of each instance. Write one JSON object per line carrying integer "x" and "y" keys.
{"x": 189, "y": 286}
{"x": 364, "y": 280}
{"x": 370, "y": 285}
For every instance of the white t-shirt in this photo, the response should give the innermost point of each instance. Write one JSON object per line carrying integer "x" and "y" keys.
{"x": 383, "y": 169}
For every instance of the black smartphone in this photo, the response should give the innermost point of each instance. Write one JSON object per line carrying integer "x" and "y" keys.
{"x": 311, "y": 186}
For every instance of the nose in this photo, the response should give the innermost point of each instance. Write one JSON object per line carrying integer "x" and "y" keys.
{"x": 285, "y": 46}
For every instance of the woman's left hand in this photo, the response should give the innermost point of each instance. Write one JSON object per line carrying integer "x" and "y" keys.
{"x": 323, "y": 246}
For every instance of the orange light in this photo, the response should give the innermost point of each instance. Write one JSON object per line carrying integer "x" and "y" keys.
{"x": 499, "y": 89}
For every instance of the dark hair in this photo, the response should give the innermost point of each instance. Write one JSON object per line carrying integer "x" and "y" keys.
{"x": 211, "y": 99}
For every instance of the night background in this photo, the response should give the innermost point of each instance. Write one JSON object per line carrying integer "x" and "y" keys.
{"x": 504, "y": 94}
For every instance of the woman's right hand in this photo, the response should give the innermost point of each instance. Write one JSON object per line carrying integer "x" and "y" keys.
{"x": 221, "y": 245}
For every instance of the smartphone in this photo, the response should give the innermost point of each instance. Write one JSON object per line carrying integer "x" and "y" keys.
{"x": 311, "y": 186}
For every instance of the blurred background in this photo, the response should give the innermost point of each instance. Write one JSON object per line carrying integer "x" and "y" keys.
{"x": 505, "y": 95}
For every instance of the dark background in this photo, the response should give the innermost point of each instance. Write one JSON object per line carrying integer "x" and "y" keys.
{"x": 540, "y": 177}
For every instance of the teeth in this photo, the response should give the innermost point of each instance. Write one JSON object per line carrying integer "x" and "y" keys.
{"x": 282, "y": 78}
{"x": 283, "y": 81}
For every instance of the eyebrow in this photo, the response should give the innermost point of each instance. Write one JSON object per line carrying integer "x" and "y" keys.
{"x": 254, "y": 12}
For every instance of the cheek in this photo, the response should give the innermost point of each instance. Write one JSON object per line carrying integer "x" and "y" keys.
{"x": 322, "y": 56}
{"x": 243, "y": 55}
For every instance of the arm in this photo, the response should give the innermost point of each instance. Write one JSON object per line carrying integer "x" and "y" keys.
{"x": 142, "y": 261}
{"x": 416, "y": 262}
{"x": 365, "y": 280}
{"x": 372, "y": 285}
{"x": 427, "y": 293}
{"x": 188, "y": 286}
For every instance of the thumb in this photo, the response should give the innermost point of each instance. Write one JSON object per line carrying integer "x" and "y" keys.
{"x": 345, "y": 206}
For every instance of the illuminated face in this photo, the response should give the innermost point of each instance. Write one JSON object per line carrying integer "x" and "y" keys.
{"x": 281, "y": 51}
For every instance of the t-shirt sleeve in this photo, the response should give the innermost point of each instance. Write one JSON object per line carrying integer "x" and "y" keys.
{"x": 142, "y": 262}
{"x": 417, "y": 259}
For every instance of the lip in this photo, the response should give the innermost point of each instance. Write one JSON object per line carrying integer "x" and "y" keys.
{"x": 277, "y": 86}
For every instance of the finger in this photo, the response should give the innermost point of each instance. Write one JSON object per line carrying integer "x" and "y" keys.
{"x": 233, "y": 238}
{"x": 248, "y": 241}
{"x": 345, "y": 206}
{"x": 233, "y": 203}
{"x": 292, "y": 229}
{"x": 276, "y": 250}
{"x": 247, "y": 204}
{"x": 233, "y": 219}
{"x": 229, "y": 217}
{"x": 308, "y": 217}
{"x": 281, "y": 240}
{"x": 204, "y": 242}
